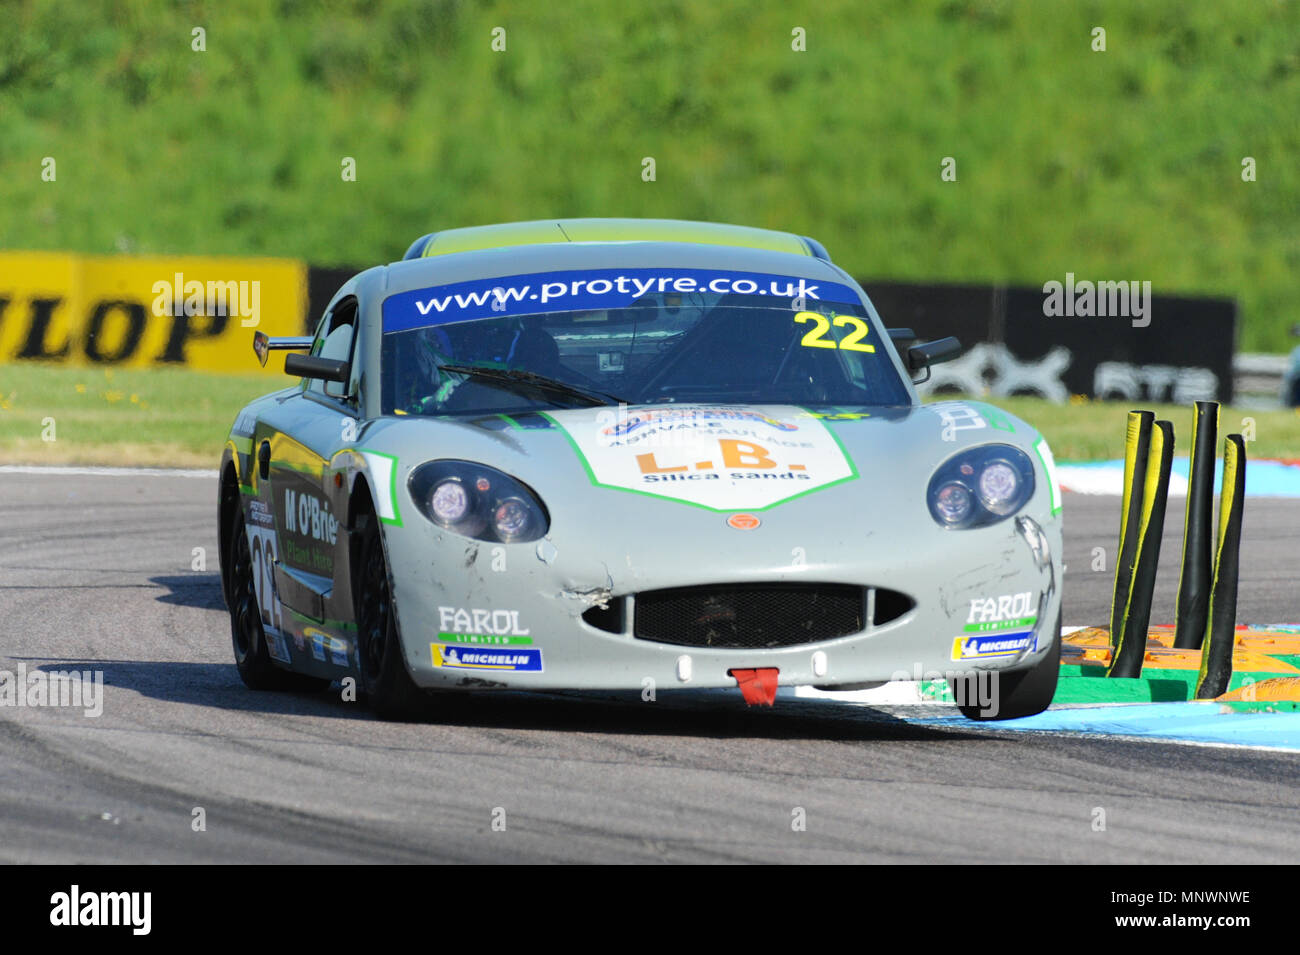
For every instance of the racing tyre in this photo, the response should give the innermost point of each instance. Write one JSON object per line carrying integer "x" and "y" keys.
{"x": 388, "y": 686}
{"x": 252, "y": 658}
{"x": 1019, "y": 694}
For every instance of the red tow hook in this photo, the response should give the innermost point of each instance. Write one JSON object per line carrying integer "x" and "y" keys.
{"x": 758, "y": 686}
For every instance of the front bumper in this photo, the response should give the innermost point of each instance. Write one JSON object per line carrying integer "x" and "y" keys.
{"x": 474, "y": 614}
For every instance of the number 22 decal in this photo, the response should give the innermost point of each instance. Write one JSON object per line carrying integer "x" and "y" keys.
{"x": 262, "y": 555}
{"x": 815, "y": 338}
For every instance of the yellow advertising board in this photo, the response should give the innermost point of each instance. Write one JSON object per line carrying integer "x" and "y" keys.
{"x": 194, "y": 312}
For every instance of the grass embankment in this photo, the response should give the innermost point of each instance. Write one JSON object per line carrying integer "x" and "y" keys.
{"x": 1095, "y": 430}
{"x": 1123, "y": 164}
{"x": 136, "y": 418}
{"x": 170, "y": 418}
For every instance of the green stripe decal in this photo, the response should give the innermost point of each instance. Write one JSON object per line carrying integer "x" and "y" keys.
{"x": 1048, "y": 461}
{"x": 383, "y": 472}
{"x": 484, "y": 639}
{"x": 1003, "y": 625}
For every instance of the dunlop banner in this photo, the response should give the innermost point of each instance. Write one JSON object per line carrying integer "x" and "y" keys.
{"x": 196, "y": 312}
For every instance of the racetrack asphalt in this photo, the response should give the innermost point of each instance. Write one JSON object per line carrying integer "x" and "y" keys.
{"x": 95, "y": 574}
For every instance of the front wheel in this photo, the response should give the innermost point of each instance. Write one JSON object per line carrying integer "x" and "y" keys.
{"x": 1024, "y": 693}
{"x": 388, "y": 686}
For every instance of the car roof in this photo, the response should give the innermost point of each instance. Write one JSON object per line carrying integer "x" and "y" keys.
{"x": 505, "y": 261}
{"x": 549, "y": 231}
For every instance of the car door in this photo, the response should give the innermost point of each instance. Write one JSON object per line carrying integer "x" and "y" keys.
{"x": 302, "y": 435}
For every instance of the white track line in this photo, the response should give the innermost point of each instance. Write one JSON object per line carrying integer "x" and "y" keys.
{"x": 106, "y": 472}
{"x": 1108, "y": 481}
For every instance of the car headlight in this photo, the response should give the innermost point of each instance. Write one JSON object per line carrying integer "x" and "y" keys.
{"x": 477, "y": 501}
{"x": 449, "y": 502}
{"x": 981, "y": 486}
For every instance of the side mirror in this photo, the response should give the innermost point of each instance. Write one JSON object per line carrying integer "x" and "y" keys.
{"x": 322, "y": 369}
{"x": 263, "y": 345}
{"x": 897, "y": 335}
{"x": 921, "y": 357}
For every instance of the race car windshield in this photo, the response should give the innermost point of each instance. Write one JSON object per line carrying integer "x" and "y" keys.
{"x": 662, "y": 347}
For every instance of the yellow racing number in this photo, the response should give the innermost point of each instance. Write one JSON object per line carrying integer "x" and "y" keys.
{"x": 853, "y": 340}
{"x": 816, "y": 336}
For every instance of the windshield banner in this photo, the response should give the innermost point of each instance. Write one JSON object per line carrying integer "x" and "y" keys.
{"x": 590, "y": 289}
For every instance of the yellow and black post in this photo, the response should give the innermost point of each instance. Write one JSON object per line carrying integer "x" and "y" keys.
{"x": 1137, "y": 441}
{"x": 1129, "y": 648}
{"x": 1216, "y": 653}
{"x": 1192, "y": 615}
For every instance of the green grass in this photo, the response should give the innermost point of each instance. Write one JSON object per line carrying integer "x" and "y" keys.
{"x": 1122, "y": 164}
{"x": 172, "y": 418}
{"x": 1095, "y": 430}
{"x": 145, "y": 417}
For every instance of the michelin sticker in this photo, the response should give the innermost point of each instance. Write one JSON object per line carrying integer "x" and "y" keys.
{"x": 983, "y": 646}
{"x": 521, "y": 659}
{"x": 721, "y": 458}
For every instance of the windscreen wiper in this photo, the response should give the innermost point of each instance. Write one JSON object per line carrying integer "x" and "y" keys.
{"x": 538, "y": 382}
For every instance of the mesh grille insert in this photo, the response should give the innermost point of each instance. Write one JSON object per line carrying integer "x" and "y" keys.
{"x": 749, "y": 616}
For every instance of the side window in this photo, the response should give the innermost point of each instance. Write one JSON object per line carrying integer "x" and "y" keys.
{"x": 334, "y": 340}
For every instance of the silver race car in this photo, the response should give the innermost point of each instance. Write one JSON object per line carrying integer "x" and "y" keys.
{"x": 631, "y": 454}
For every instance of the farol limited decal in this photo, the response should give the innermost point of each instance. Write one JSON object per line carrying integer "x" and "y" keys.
{"x": 1003, "y": 612}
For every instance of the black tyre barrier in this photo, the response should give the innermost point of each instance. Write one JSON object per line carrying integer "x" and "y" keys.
{"x": 1220, "y": 637}
{"x": 1194, "y": 581}
{"x": 1152, "y": 494}
{"x": 1136, "y": 445}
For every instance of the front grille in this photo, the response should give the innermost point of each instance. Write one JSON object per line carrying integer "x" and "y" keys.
{"x": 607, "y": 616}
{"x": 889, "y": 605}
{"x": 749, "y": 616}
